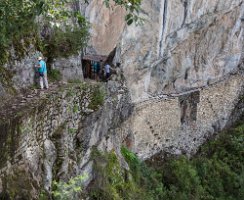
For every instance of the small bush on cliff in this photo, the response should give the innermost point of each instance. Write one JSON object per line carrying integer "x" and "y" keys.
{"x": 109, "y": 177}
{"x": 70, "y": 190}
{"x": 144, "y": 177}
{"x": 65, "y": 41}
{"x": 133, "y": 9}
{"x": 115, "y": 183}
{"x": 21, "y": 21}
{"x": 97, "y": 97}
{"x": 54, "y": 75}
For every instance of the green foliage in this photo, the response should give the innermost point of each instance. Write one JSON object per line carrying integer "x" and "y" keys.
{"x": 145, "y": 179}
{"x": 43, "y": 195}
{"x": 54, "y": 75}
{"x": 114, "y": 183}
{"x": 132, "y": 7}
{"x": 75, "y": 81}
{"x": 97, "y": 97}
{"x": 110, "y": 183}
{"x": 66, "y": 40}
{"x": 75, "y": 108}
{"x": 70, "y": 190}
{"x": 72, "y": 131}
{"x": 109, "y": 177}
{"x": 182, "y": 180}
{"x": 133, "y": 162}
{"x": 215, "y": 173}
{"x": 18, "y": 26}
{"x": 16, "y": 23}
{"x": 5, "y": 80}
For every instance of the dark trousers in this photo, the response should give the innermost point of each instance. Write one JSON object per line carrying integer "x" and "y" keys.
{"x": 107, "y": 75}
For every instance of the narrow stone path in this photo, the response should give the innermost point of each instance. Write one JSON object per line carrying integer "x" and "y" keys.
{"x": 27, "y": 99}
{"x": 160, "y": 97}
{"x": 169, "y": 96}
{"x": 30, "y": 98}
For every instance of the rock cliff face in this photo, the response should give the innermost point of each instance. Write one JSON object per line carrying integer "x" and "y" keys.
{"x": 183, "y": 72}
{"x": 106, "y": 26}
{"x": 182, "y": 46}
{"x": 180, "y": 124}
{"x": 22, "y": 70}
{"x": 50, "y": 136}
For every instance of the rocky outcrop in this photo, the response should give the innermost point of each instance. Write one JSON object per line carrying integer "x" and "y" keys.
{"x": 50, "y": 135}
{"x": 22, "y": 70}
{"x": 70, "y": 68}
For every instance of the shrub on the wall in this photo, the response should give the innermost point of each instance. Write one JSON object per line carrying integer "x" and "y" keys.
{"x": 65, "y": 41}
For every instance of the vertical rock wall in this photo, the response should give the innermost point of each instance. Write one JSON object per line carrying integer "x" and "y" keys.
{"x": 182, "y": 45}
{"x": 107, "y": 25}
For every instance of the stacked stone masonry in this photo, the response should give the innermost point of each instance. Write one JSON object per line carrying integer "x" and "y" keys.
{"x": 28, "y": 152}
{"x": 51, "y": 136}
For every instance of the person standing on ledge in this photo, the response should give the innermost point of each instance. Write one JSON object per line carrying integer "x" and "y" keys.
{"x": 42, "y": 69}
{"x": 107, "y": 71}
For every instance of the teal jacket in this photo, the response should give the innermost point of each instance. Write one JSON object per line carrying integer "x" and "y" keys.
{"x": 43, "y": 68}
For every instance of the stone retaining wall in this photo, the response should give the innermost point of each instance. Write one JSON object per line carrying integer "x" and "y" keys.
{"x": 27, "y": 150}
{"x": 179, "y": 125}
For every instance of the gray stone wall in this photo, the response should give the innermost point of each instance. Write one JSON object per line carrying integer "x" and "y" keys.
{"x": 51, "y": 137}
{"x": 70, "y": 68}
{"x": 180, "y": 123}
{"x": 23, "y": 70}
{"x": 28, "y": 151}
